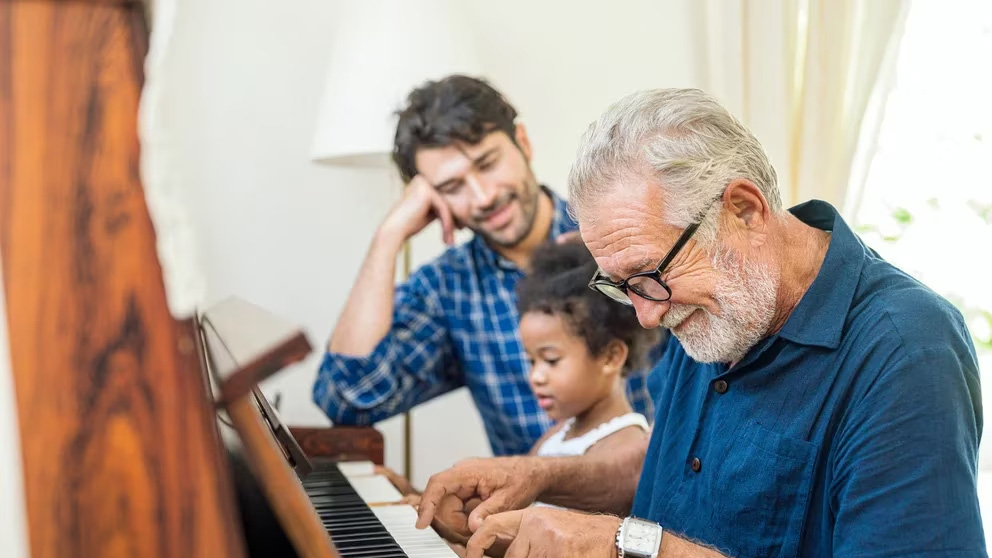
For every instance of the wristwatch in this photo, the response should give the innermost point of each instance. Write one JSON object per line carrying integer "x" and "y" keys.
{"x": 637, "y": 538}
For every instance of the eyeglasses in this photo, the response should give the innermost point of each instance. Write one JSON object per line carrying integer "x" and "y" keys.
{"x": 647, "y": 284}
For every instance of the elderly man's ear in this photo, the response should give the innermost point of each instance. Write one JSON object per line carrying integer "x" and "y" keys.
{"x": 749, "y": 212}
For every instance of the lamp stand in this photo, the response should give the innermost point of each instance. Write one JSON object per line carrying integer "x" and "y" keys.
{"x": 407, "y": 266}
{"x": 407, "y": 416}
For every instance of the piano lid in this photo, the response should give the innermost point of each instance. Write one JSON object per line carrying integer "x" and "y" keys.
{"x": 247, "y": 345}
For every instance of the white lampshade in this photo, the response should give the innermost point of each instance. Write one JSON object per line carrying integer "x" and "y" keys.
{"x": 383, "y": 49}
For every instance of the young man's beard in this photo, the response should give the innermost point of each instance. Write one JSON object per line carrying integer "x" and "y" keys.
{"x": 746, "y": 293}
{"x": 527, "y": 197}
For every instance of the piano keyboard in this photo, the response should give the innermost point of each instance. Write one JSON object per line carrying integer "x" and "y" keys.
{"x": 358, "y": 509}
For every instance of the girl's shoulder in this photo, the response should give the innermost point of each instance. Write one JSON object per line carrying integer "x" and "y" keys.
{"x": 621, "y": 429}
{"x": 557, "y": 431}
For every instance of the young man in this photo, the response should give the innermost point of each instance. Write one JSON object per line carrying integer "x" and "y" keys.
{"x": 454, "y": 322}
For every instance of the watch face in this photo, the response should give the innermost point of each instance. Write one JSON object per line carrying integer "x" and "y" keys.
{"x": 640, "y": 538}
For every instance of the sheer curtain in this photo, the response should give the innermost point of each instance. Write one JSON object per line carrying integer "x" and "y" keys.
{"x": 807, "y": 76}
{"x": 167, "y": 193}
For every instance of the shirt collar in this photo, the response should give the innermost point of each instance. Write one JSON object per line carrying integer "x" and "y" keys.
{"x": 819, "y": 317}
{"x": 561, "y": 223}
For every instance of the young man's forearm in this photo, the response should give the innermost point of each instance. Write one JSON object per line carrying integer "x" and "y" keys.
{"x": 368, "y": 314}
{"x": 601, "y": 482}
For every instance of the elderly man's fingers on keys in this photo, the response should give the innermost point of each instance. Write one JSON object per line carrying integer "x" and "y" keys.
{"x": 497, "y": 535}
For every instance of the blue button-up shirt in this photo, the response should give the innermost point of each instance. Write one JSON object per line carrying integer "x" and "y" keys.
{"x": 454, "y": 324}
{"x": 853, "y": 431}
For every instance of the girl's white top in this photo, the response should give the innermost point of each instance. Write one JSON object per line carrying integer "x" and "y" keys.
{"x": 557, "y": 446}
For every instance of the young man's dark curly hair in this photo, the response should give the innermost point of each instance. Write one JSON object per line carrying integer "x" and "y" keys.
{"x": 440, "y": 113}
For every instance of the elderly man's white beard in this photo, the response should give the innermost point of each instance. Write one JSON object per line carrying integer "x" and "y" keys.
{"x": 746, "y": 294}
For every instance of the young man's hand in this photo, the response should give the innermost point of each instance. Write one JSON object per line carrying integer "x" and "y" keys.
{"x": 421, "y": 204}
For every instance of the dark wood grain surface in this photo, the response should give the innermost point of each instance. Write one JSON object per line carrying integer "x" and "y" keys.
{"x": 341, "y": 443}
{"x": 120, "y": 452}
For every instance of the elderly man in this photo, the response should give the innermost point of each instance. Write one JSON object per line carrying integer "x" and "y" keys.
{"x": 815, "y": 400}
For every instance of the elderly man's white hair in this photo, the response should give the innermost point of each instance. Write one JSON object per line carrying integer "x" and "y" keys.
{"x": 683, "y": 138}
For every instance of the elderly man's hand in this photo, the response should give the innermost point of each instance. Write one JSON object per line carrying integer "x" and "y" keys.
{"x": 451, "y": 518}
{"x": 544, "y": 533}
{"x": 501, "y": 484}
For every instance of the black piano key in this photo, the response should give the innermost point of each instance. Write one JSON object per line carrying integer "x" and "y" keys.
{"x": 375, "y": 544}
{"x": 354, "y": 528}
{"x": 368, "y": 530}
{"x": 371, "y": 553}
{"x": 364, "y": 539}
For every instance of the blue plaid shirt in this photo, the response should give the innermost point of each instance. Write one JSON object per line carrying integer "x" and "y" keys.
{"x": 454, "y": 324}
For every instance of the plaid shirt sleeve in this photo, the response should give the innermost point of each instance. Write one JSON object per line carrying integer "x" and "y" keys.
{"x": 412, "y": 364}
{"x": 638, "y": 393}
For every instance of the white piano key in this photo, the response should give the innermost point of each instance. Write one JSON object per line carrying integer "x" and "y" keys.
{"x": 356, "y": 468}
{"x": 401, "y": 521}
{"x": 376, "y": 490}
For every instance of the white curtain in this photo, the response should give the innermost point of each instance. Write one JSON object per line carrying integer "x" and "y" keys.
{"x": 166, "y": 193}
{"x": 809, "y": 77}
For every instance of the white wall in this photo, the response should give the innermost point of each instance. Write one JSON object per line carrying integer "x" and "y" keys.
{"x": 241, "y": 88}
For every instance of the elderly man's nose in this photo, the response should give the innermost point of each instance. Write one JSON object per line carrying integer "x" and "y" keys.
{"x": 649, "y": 312}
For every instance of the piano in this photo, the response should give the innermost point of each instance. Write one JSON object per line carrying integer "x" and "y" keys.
{"x": 125, "y": 446}
{"x": 353, "y": 504}
{"x": 360, "y": 510}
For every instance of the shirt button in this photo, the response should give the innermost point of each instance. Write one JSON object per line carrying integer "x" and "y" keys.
{"x": 696, "y": 465}
{"x": 720, "y": 386}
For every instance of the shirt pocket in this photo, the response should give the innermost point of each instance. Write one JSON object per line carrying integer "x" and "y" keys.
{"x": 765, "y": 489}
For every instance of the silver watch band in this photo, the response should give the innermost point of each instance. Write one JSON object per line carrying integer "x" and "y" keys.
{"x": 619, "y": 542}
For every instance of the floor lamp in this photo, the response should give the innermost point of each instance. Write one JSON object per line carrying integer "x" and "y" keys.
{"x": 381, "y": 50}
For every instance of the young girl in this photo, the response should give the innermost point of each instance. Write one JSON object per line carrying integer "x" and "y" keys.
{"x": 580, "y": 345}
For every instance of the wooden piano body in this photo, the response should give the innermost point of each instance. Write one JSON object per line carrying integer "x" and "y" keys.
{"x": 121, "y": 451}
